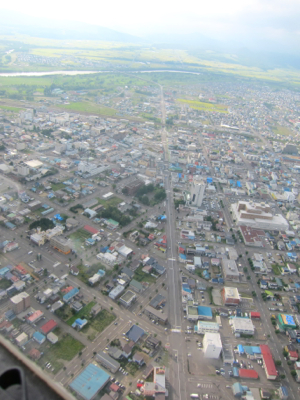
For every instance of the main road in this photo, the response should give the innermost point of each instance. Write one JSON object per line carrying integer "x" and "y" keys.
{"x": 176, "y": 341}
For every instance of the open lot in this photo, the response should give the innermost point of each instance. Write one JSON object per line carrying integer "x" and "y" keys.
{"x": 98, "y": 324}
{"x": 64, "y": 350}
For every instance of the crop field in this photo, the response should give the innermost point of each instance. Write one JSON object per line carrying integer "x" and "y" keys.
{"x": 200, "y": 105}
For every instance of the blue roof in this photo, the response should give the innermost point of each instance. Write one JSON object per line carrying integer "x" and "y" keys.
{"x": 38, "y": 336}
{"x": 71, "y": 294}
{"x": 241, "y": 349}
{"x": 135, "y": 333}
{"x": 206, "y": 311}
{"x": 90, "y": 381}
{"x": 80, "y": 321}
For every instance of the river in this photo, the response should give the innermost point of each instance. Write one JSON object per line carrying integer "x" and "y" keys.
{"x": 45, "y": 73}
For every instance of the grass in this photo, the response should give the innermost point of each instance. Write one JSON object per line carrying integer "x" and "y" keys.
{"x": 89, "y": 108}
{"x": 98, "y": 324}
{"x": 4, "y": 284}
{"x": 79, "y": 236}
{"x": 65, "y": 349}
{"x": 84, "y": 312}
{"x": 8, "y": 108}
{"x": 57, "y": 186}
{"x": 114, "y": 201}
{"x": 282, "y": 130}
{"x": 85, "y": 273}
{"x": 200, "y": 105}
{"x": 276, "y": 269}
{"x": 141, "y": 276}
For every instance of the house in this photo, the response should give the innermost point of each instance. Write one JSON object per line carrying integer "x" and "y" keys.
{"x": 136, "y": 286}
{"x": 135, "y": 333}
{"x": 127, "y": 349}
{"x": 138, "y": 358}
{"x": 292, "y": 352}
{"x": 108, "y": 362}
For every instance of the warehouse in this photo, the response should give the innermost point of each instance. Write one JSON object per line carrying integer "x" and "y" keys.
{"x": 90, "y": 382}
{"x": 242, "y": 326}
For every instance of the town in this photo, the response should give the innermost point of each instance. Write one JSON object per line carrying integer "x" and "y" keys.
{"x": 152, "y": 251}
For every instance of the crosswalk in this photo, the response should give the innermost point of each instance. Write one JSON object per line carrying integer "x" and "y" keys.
{"x": 205, "y": 385}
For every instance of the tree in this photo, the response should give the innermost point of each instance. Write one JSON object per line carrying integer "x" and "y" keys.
{"x": 293, "y": 372}
{"x": 277, "y": 363}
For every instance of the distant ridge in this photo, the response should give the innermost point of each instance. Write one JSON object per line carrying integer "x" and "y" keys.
{"x": 12, "y": 23}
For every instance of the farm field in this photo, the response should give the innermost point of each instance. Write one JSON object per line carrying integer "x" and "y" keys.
{"x": 200, "y": 105}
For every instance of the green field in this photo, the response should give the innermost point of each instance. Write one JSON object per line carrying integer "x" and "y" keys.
{"x": 114, "y": 201}
{"x": 57, "y": 186}
{"x": 84, "y": 312}
{"x": 276, "y": 269}
{"x": 98, "y": 324}
{"x": 89, "y": 108}
{"x": 141, "y": 276}
{"x": 200, "y": 105}
{"x": 282, "y": 130}
{"x": 8, "y": 108}
{"x": 64, "y": 350}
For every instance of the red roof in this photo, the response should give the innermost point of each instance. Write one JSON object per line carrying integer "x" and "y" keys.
{"x": 255, "y": 314}
{"x": 293, "y": 354}
{"x": 268, "y": 360}
{"x": 90, "y": 229}
{"x": 48, "y": 326}
{"x": 21, "y": 269}
{"x": 67, "y": 289}
{"x": 114, "y": 387}
{"x": 248, "y": 373}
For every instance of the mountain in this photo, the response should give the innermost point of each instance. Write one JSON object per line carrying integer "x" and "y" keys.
{"x": 12, "y": 23}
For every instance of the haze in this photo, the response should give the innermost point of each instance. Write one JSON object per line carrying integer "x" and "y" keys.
{"x": 255, "y": 23}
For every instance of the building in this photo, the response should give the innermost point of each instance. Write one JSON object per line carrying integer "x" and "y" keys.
{"x": 242, "y": 326}
{"x": 39, "y": 337}
{"x": 20, "y": 302}
{"x": 69, "y": 296}
{"x": 212, "y": 345}
{"x": 197, "y": 193}
{"x": 108, "y": 362}
{"x": 135, "y": 333}
{"x": 230, "y": 270}
{"x": 116, "y": 292}
{"x": 48, "y": 326}
{"x": 89, "y": 382}
{"x": 127, "y": 298}
{"x": 156, "y": 315}
{"x": 257, "y": 215}
{"x": 131, "y": 188}
{"x": 52, "y": 338}
{"x": 248, "y": 373}
{"x": 21, "y": 339}
{"x": 158, "y": 386}
{"x": 283, "y": 392}
{"x": 251, "y": 236}
{"x": 231, "y": 296}
{"x": 203, "y": 327}
{"x": 268, "y": 362}
{"x": 286, "y": 322}
{"x": 60, "y": 244}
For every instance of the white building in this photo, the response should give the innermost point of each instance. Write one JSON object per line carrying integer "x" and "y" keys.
{"x": 23, "y": 170}
{"x": 212, "y": 345}
{"x": 230, "y": 270}
{"x": 197, "y": 193}
{"x": 203, "y": 327}
{"x": 258, "y": 215}
{"x": 242, "y": 326}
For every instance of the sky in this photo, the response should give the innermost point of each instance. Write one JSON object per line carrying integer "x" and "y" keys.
{"x": 276, "y": 20}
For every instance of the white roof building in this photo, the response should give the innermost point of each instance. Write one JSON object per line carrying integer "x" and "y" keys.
{"x": 212, "y": 345}
{"x": 258, "y": 215}
{"x": 242, "y": 326}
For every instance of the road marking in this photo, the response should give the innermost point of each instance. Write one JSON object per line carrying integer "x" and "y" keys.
{"x": 172, "y": 259}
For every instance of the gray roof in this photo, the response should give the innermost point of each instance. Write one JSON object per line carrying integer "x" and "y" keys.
{"x": 135, "y": 333}
{"x": 107, "y": 361}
